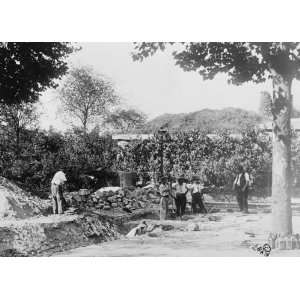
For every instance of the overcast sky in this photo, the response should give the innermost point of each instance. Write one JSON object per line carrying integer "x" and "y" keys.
{"x": 156, "y": 86}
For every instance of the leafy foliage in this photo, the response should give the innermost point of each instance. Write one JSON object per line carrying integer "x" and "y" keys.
{"x": 214, "y": 158}
{"x": 86, "y": 96}
{"x": 125, "y": 120}
{"x": 266, "y": 105}
{"x": 43, "y": 153}
{"x": 16, "y": 118}
{"x": 27, "y": 69}
{"x": 265, "y": 108}
{"x": 241, "y": 61}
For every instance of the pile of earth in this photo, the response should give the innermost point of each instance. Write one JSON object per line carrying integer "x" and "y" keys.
{"x": 45, "y": 235}
{"x": 15, "y": 203}
{"x": 115, "y": 198}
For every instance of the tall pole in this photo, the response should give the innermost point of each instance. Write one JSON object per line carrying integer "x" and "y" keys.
{"x": 161, "y": 157}
{"x": 161, "y": 133}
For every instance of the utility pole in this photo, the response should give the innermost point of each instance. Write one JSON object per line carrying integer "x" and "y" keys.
{"x": 162, "y": 134}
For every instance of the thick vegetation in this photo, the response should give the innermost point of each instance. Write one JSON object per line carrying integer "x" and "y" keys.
{"x": 43, "y": 153}
{"x": 213, "y": 157}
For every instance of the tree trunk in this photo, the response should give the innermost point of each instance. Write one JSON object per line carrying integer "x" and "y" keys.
{"x": 18, "y": 143}
{"x": 281, "y": 168}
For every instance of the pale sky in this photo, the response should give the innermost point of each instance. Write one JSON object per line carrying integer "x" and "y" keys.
{"x": 156, "y": 86}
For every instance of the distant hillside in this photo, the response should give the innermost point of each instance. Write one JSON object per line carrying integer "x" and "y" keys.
{"x": 233, "y": 119}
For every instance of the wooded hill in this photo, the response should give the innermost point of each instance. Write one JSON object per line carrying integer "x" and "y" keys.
{"x": 233, "y": 119}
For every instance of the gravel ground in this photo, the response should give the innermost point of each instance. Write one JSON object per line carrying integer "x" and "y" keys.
{"x": 232, "y": 235}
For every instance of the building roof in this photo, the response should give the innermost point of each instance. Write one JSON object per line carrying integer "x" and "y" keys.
{"x": 131, "y": 137}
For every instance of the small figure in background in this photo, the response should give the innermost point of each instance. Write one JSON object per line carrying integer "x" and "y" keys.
{"x": 181, "y": 190}
{"x": 164, "y": 190}
{"x": 241, "y": 187}
{"x": 58, "y": 201}
{"x": 197, "y": 189}
{"x": 140, "y": 181}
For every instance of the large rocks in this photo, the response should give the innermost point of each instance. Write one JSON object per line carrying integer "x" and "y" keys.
{"x": 116, "y": 198}
{"x": 193, "y": 227}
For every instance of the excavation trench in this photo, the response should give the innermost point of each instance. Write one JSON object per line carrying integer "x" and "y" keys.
{"x": 47, "y": 235}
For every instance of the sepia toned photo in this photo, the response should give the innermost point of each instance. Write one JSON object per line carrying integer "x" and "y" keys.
{"x": 149, "y": 149}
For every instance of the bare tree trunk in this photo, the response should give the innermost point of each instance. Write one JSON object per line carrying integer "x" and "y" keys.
{"x": 281, "y": 168}
{"x": 84, "y": 127}
{"x": 18, "y": 143}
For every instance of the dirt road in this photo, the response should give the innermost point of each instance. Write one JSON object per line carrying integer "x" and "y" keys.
{"x": 230, "y": 234}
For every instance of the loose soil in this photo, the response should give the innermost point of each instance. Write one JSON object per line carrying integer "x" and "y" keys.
{"x": 231, "y": 234}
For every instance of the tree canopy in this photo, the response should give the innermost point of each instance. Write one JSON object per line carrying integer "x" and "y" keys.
{"x": 125, "y": 120}
{"x": 27, "y": 69}
{"x": 242, "y": 61}
{"x": 86, "y": 95}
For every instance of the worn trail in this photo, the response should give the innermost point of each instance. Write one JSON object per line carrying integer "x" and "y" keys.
{"x": 229, "y": 235}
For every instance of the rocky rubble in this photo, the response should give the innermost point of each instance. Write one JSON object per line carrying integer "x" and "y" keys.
{"x": 15, "y": 203}
{"x": 47, "y": 235}
{"x": 126, "y": 199}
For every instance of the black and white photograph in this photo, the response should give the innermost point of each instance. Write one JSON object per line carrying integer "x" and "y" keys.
{"x": 150, "y": 149}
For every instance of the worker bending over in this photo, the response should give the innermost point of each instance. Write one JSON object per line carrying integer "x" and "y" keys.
{"x": 58, "y": 200}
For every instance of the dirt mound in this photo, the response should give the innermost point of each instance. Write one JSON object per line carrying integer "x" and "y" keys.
{"x": 15, "y": 203}
{"x": 47, "y": 235}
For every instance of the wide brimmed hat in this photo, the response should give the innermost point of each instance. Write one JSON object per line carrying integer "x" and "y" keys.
{"x": 181, "y": 177}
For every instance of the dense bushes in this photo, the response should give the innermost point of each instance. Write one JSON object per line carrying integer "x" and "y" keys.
{"x": 213, "y": 157}
{"x": 43, "y": 153}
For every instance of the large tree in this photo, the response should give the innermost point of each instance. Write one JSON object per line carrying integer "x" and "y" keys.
{"x": 16, "y": 118}
{"x": 86, "y": 96}
{"x": 125, "y": 120}
{"x": 252, "y": 62}
{"x": 27, "y": 69}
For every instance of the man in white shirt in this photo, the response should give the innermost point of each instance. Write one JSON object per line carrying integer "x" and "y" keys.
{"x": 57, "y": 183}
{"x": 241, "y": 186}
{"x": 181, "y": 190}
{"x": 197, "y": 195}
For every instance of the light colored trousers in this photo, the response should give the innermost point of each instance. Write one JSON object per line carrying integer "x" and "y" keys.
{"x": 57, "y": 198}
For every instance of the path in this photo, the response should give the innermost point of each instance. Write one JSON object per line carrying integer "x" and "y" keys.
{"x": 230, "y": 236}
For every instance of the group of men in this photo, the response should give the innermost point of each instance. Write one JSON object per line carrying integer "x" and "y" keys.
{"x": 177, "y": 193}
{"x": 170, "y": 193}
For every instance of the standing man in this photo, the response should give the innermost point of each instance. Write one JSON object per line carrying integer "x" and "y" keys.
{"x": 164, "y": 190}
{"x": 197, "y": 195}
{"x": 241, "y": 187}
{"x": 181, "y": 190}
{"x": 58, "y": 200}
